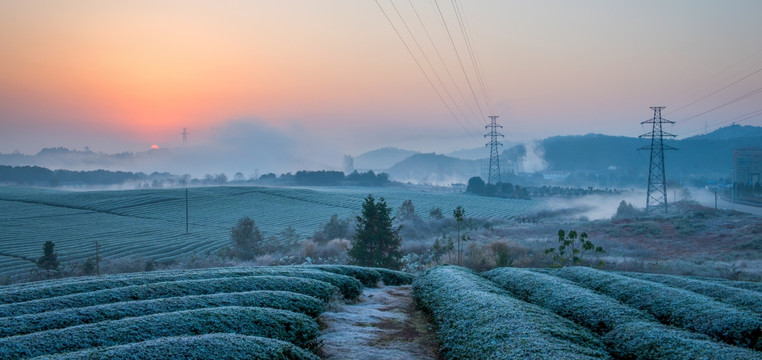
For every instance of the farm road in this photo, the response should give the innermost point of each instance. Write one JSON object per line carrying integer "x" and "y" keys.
{"x": 382, "y": 324}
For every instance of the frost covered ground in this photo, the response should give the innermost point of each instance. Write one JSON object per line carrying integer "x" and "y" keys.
{"x": 382, "y": 324}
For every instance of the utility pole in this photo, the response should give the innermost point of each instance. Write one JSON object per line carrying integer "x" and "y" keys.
{"x": 656, "y": 195}
{"x": 494, "y": 156}
{"x": 186, "y": 211}
{"x": 185, "y": 136}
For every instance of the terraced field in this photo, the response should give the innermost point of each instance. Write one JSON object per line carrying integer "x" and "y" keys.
{"x": 151, "y": 223}
{"x": 582, "y": 313}
{"x": 231, "y": 313}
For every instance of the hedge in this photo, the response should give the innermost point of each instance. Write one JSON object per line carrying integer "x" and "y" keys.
{"x": 299, "y": 329}
{"x": 476, "y": 319}
{"x": 747, "y": 299}
{"x": 200, "y": 347}
{"x": 58, "y": 319}
{"x": 673, "y": 306}
{"x": 628, "y": 333}
{"x": 314, "y": 288}
{"x": 61, "y": 287}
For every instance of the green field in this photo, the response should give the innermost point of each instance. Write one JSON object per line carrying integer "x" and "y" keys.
{"x": 151, "y": 223}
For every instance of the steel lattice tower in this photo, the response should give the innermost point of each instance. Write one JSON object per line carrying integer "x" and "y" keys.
{"x": 656, "y": 195}
{"x": 494, "y": 156}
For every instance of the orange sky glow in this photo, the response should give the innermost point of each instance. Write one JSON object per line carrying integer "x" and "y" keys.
{"x": 123, "y": 75}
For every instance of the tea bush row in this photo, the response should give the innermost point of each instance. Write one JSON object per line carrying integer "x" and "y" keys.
{"x": 58, "y": 319}
{"x": 673, "y": 306}
{"x": 747, "y": 299}
{"x": 478, "y": 320}
{"x": 628, "y": 333}
{"x": 200, "y": 347}
{"x": 314, "y": 288}
{"x": 46, "y": 289}
{"x": 298, "y": 329}
{"x": 370, "y": 276}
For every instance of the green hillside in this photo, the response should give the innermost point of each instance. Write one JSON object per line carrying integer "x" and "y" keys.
{"x": 151, "y": 223}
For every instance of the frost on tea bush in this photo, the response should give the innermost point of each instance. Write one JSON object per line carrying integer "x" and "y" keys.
{"x": 200, "y": 347}
{"x": 298, "y": 329}
{"x": 367, "y": 276}
{"x": 673, "y": 306}
{"x": 628, "y": 333}
{"x": 370, "y": 276}
{"x": 58, "y": 319}
{"x": 478, "y": 320}
{"x": 314, "y": 288}
{"x": 46, "y": 289}
{"x": 747, "y": 299}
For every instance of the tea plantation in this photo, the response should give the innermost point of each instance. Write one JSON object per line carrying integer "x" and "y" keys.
{"x": 583, "y": 313}
{"x": 272, "y": 312}
{"x": 150, "y": 224}
{"x": 230, "y": 313}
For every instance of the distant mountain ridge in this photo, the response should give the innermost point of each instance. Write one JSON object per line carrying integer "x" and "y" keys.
{"x": 382, "y": 158}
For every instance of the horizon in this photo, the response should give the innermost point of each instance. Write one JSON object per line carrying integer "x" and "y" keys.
{"x": 327, "y": 80}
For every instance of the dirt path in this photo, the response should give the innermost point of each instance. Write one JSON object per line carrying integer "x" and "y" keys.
{"x": 382, "y": 324}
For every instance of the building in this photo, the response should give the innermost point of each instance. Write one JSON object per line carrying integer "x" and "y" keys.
{"x": 747, "y": 165}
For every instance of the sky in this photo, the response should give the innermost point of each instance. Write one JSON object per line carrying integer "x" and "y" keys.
{"x": 333, "y": 77}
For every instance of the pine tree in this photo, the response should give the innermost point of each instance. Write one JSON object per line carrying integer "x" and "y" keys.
{"x": 376, "y": 243}
{"x": 49, "y": 259}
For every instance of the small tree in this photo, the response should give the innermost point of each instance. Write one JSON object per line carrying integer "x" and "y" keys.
{"x": 406, "y": 211}
{"x": 247, "y": 239}
{"x": 572, "y": 248}
{"x": 376, "y": 243}
{"x": 49, "y": 259}
{"x": 436, "y": 213}
{"x": 459, "y": 213}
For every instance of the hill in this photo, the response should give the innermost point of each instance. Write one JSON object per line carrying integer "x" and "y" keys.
{"x": 381, "y": 159}
{"x": 434, "y": 169}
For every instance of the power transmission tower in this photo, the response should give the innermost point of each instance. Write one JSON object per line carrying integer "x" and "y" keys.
{"x": 494, "y": 156}
{"x": 185, "y": 136}
{"x": 656, "y": 195}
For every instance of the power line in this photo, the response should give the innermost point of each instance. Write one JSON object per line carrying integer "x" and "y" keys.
{"x": 460, "y": 61}
{"x": 472, "y": 52}
{"x": 421, "y": 69}
{"x": 718, "y": 90}
{"x": 441, "y": 60}
{"x": 433, "y": 70}
{"x": 742, "y": 97}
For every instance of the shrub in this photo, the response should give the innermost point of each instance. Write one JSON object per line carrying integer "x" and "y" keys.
{"x": 283, "y": 300}
{"x": 212, "y": 346}
{"x": 311, "y": 287}
{"x": 395, "y": 278}
{"x": 298, "y": 329}
{"x": 571, "y": 249}
{"x": 247, "y": 239}
{"x": 672, "y": 306}
{"x": 747, "y": 299}
{"x": 478, "y": 320}
{"x": 627, "y": 332}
